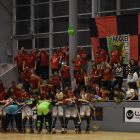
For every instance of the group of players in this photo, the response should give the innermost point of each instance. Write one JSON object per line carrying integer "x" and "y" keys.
{"x": 20, "y": 105}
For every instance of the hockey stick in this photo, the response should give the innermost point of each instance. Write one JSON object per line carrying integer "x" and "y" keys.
{"x": 78, "y": 114}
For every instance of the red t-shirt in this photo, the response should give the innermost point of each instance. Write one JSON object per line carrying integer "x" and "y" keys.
{"x": 116, "y": 56}
{"x": 20, "y": 60}
{"x": 44, "y": 59}
{"x": 59, "y": 53}
{"x": 43, "y": 96}
{"x": 80, "y": 77}
{"x": 78, "y": 64}
{"x": 57, "y": 80}
{"x": 23, "y": 96}
{"x": 99, "y": 60}
{"x": 1, "y": 86}
{"x": 4, "y": 96}
{"x": 49, "y": 88}
{"x": 33, "y": 54}
{"x": 103, "y": 54}
{"x": 65, "y": 73}
{"x": 35, "y": 82}
{"x": 71, "y": 94}
{"x": 26, "y": 75}
{"x": 96, "y": 87}
{"x": 104, "y": 96}
{"x": 66, "y": 58}
{"x": 30, "y": 61}
{"x": 96, "y": 73}
{"x": 84, "y": 59}
{"x": 55, "y": 62}
{"x": 106, "y": 75}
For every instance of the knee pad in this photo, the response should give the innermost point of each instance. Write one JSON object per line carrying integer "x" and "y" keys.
{"x": 24, "y": 121}
{"x": 66, "y": 120}
{"x": 31, "y": 121}
{"x": 75, "y": 120}
{"x": 38, "y": 123}
{"x": 61, "y": 120}
{"x": 54, "y": 122}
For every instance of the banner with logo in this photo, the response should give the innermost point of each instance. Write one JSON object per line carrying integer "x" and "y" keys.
{"x": 123, "y": 45}
{"x": 132, "y": 114}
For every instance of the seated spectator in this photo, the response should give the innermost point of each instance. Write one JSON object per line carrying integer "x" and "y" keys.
{"x": 134, "y": 76}
{"x": 80, "y": 77}
{"x": 35, "y": 81}
{"x": 54, "y": 63}
{"x": 77, "y": 90}
{"x": 118, "y": 96}
{"x": 95, "y": 98}
{"x": 65, "y": 74}
{"x": 106, "y": 75}
{"x": 96, "y": 74}
{"x": 13, "y": 86}
{"x": 46, "y": 95}
{"x": 103, "y": 54}
{"x": 130, "y": 93}
{"x": 67, "y": 85}
{"x": 43, "y": 91}
{"x": 89, "y": 87}
{"x": 119, "y": 76}
{"x": 96, "y": 87}
{"x": 35, "y": 93}
{"x": 104, "y": 95}
{"x": 65, "y": 54}
{"x": 130, "y": 66}
{"x": 83, "y": 56}
{"x": 78, "y": 63}
{"x": 1, "y": 86}
{"x": 88, "y": 95}
{"x": 110, "y": 94}
{"x": 70, "y": 93}
{"x": 44, "y": 63}
{"x": 57, "y": 80}
{"x": 29, "y": 61}
{"x": 82, "y": 93}
{"x": 4, "y": 95}
{"x": 50, "y": 84}
{"x": 53, "y": 94}
{"x": 26, "y": 78}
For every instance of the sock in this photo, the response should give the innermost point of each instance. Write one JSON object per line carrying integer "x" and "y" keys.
{"x": 88, "y": 122}
{"x": 75, "y": 122}
{"x": 31, "y": 122}
{"x": 53, "y": 123}
{"x": 62, "y": 121}
{"x": 24, "y": 122}
{"x": 66, "y": 122}
{"x": 79, "y": 125}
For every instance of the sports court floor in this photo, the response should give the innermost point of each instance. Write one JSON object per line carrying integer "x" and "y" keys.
{"x": 98, "y": 135}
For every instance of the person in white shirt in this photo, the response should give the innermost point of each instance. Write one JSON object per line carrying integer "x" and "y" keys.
{"x": 130, "y": 93}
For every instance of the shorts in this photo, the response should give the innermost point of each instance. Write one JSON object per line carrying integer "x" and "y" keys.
{"x": 42, "y": 110}
{"x": 20, "y": 69}
{"x": 71, "y": 111}
{"x": 85, "y": 109}
{"x": 58, "y": 109}
{"x": 4, "y": 110}
{"x": 27, "y": 111}
{"x": 12, "y": 109}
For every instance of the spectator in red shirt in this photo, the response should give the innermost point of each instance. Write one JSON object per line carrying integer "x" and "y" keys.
{"x": 22, "y": 95}
{"x": 107, "y": 71}
{"x": 57, "y": 80}
{"x": 83, "y": 55}
{"x": 104, "y": 96}
{"x": 65, "y": 74}
{"x": 96, "y": 74}
{"x": 23, "y": 52}
{"x": 1, "y": 86}
{"x": 4, "y": 95}
{"x": 65, "y": 53}
{"x": 96, "y": 87}
{"x": 30, "y": 62}
{"x": 78, "y": 63}
{"x": 103, "y": 54}
{"x": 80, "y": 77}
{"x": 50, "y": 84}
{"x": 54, "y": 63}
{"x": 116, "y": 55}
{"x": 44, "y": 63}
{"x": 43, "y": 90}
{"x": 26, "y": 78}
{"x": 98, "y": 59}
{"x": 35, "y": 52}
{"x": 20, "y": 59}
{"x": 70, "y": 93}
{"x": 59, "y": 52}
{"x": 13, "y": 86}
{"x": 35, "y": 81}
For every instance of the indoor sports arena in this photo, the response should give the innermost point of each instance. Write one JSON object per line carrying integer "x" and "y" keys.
{"x": 70, "y": 69}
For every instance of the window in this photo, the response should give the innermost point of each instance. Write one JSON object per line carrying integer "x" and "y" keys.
{"x": 61, "y": 8}
{"x": 126, "y": 4}
{"x": 60, "y": 24}
{"x": 41, "y": 26}
{"x": 22, "y": 2}
{"x": 42, "y": 43}
{"x": 26, "y": 43}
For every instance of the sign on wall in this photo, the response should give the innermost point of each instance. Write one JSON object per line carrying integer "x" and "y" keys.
{"x": 123, "y": 45}
{"x": 132, "y": 114}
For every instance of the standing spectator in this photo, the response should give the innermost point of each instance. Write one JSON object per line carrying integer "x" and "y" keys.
{"x": 103, "y": 54}
{"x": 35, "y": 51}
{"x": 78, "y": 63}
{"x": 20, "y": 59}
{"x": 119, "y": 76}
{"x": 65, "y": 74}
{"x": 98, "y": 59}
{"x": 80, "y": 77}
{"x": 118, "y": 97}
{"x": 59, "y": 52}
{"x": 13, "y": 86}
{"x": 65, "y": 54}
{"x": 116, "y": 55}
{"x": 23, "y": 52}
{"x": 26, "y": 78}
{"x": 83, "y": 55}
{"x": 54, "y": 63}
{"x": 30, "y": 62}
{"x": 50, "y": 84}
{"x": 106, "y": 75}
{"x": 57, "y": 80}
{"x": 1, "y": 86}
{"x": 96, "y": 74}
{"x": 96, "y": 87}
{"x": 35, "y": 81}
{"x": 44, "y": 63}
